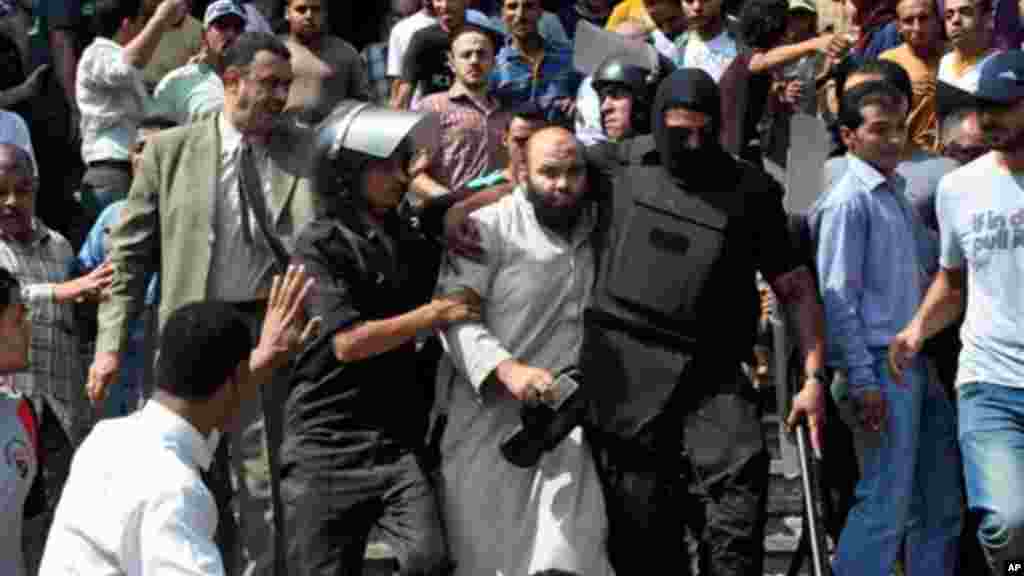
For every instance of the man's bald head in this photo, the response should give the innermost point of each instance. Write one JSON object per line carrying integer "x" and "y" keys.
{"x": 553, "y": 141}
{"x": 556, "y": 178}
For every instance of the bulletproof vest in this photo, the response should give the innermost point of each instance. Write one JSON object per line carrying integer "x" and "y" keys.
{"x": 657, "y": 248}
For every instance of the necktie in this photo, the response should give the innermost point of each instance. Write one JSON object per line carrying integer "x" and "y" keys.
{"x": 251, "y": 196}
{"x": 250, "y": 191}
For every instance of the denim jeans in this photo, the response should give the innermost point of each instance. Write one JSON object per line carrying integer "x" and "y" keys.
{"x": 992, "y": 442}
{"x": 910, "y": 483}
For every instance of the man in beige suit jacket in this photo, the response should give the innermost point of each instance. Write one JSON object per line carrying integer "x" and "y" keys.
{"x": 188, "y": 218}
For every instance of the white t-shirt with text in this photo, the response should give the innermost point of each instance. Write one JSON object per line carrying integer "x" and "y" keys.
{"x": 980, "y": 209}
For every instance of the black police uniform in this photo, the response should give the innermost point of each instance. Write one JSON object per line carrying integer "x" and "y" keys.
{"x": 673, "y": 317}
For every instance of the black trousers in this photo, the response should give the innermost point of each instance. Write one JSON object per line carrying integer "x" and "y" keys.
{"x": 331, "y": 511}
{"x": 699, "y": 498}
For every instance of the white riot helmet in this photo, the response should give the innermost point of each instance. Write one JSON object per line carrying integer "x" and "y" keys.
{"x": 356, "y": 132}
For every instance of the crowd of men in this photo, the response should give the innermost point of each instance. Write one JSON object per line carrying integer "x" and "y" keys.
{"x": 473, "y": 294}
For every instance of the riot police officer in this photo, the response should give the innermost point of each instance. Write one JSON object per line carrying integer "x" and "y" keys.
{"x": 671, "y": 322}
{"x": 356, "y": 415}
{"x": 625, "y": 91}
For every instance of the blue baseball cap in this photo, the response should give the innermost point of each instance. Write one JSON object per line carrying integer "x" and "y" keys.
{"x": 222, "y": 8}
{"x": 1002, "y": 79}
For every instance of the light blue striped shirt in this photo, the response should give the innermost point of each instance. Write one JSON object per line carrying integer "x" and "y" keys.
{"x": 874, "y": 259}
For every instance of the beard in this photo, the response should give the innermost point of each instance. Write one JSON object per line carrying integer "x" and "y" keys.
{"x": 561, "y": 219}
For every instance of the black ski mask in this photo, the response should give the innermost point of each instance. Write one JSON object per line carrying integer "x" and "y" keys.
{"x": 693, "y": 89}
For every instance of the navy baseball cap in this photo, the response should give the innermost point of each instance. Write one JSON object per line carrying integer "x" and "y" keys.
{"x": 1002, "y": 79}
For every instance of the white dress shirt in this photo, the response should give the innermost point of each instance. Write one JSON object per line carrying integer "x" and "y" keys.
{"x": 713, "y": 56}
{"x": 112, "y": 99}
{"x": 504, "y": 520}
{"x": 134, "y": 503}
{"x": 239, "y": 271}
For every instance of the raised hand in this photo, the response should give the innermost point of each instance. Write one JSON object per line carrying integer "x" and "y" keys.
{"x": 285, "y": 328}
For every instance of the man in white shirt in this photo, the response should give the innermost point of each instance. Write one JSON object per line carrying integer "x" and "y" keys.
{"x": 968, "y": 26}
{"x": 708, "y": 45}
{"x": 149, "y": 511}
{"x": 504, "y": 519}
{"x": 979, "y": 209}
{"x": 195, "y": 91}
{"x": 111, "y": 94}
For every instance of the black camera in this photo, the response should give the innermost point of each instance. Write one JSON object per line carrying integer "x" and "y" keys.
{"x": 545, "y": 424}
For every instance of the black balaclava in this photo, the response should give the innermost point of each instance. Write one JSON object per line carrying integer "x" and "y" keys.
{"x": 694, "y": 89}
